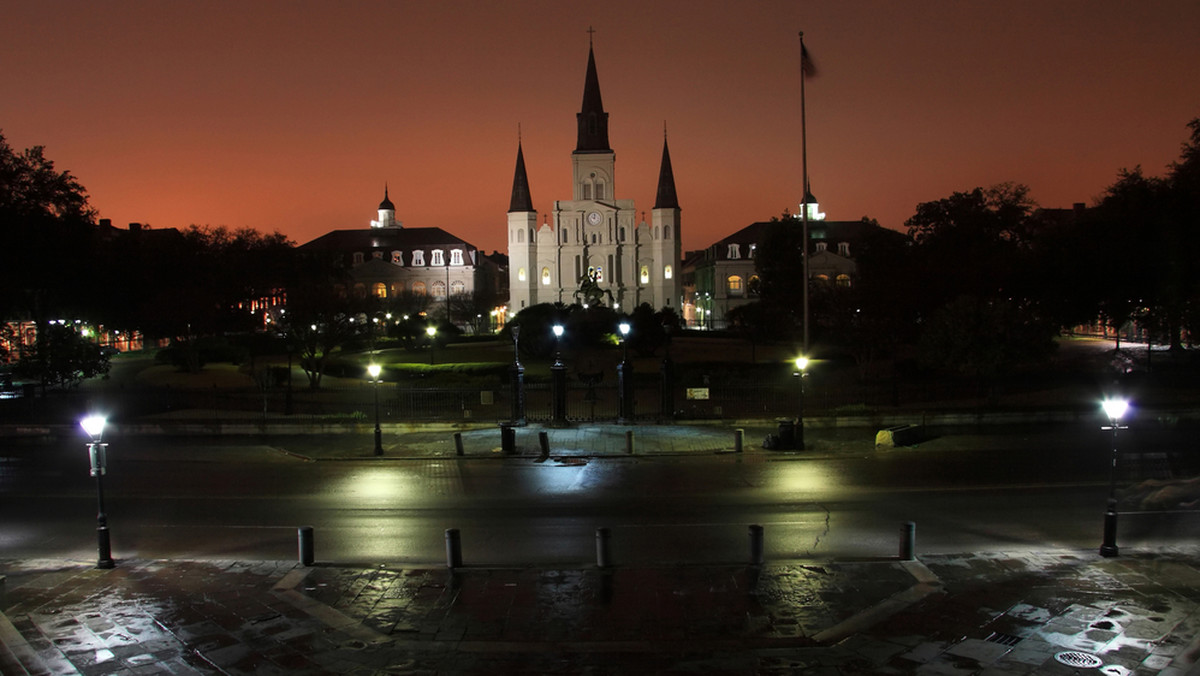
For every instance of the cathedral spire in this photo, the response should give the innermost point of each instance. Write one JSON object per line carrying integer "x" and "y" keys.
{"x": 593, "y": 121}
{"x": 666, "y": 198}
{"x": 521, "y": 200}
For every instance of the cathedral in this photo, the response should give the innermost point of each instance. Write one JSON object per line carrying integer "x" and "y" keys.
{"x": 594, "y": 234}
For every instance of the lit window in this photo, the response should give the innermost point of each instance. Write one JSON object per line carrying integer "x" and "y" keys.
{"x": 667, "y": 272}
{"x": 645, "y": 276}
{"x": 397, "y": 258}
{"x": 843, "y": 280}
{"x": 521, "y": 274}
{"x": 734, "y": 285}
{"x": 457, "y": 288}
{"x": 456, "y": 257}
{"x": 377, "y": 255}
{"x": 545, "y": 276}
{"x": 596, "y": 273}
{"x": 418, "y": 288}
{"x": 439, "y": 290}
{"x": 379, "y": 290}
{"x": 438, "y": 258}
{"x": 753, "y": 248}
{"x": 418, "y": 258}
{"x": 397, "y": 288}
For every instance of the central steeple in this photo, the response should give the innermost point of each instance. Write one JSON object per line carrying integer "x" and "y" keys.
{"x": 593, "y": 121}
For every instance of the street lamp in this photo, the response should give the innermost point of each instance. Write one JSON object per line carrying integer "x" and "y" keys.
{"x": 93, "y": 425}
{"x": 558, "y": 382}
{"x": 801, "y": 371}
{"x": 431, "y": 331}
{"x": 1114, "y": 408}
{"x": 375, "y": 370}
{"x": 625, "y": 377}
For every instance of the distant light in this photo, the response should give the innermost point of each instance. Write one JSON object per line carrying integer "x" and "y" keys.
{"x": 431, "y": 330}
{"x": 374, "y": 370}
{"x": 801, "y": 363}
{"x": 624, "y": 327}
{"x": 558, "y": 330}
{"x": 1115, "y": 408}
{"x": 94, "y": 426}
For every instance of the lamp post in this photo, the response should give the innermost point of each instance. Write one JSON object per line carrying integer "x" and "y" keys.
{"x": 801, "y": 372}
{"x": 93, "y": 425}
{"x": 1115, "y": 409}
{"x": 375, "y": 370}
{"x": 517, "y": 380}
{"x": 625, "y": 377}
{"x": 431, "y": 331}
{"x": 558, "y": 381}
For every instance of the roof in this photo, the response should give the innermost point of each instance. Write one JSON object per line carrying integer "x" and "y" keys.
{"x": 835, "y": 231}
{"x": 386, "y": 203}
{"x": 666, "y": 197}
{"x": 593, "y": 121}
{"x": 394, "y": 238}
{"x": 521, "y": 199}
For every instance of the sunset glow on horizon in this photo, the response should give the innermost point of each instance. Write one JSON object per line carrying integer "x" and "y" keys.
{"x": 292, "y": 116}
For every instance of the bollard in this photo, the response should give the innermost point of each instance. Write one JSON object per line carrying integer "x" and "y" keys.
{"x": 739, "y": 437}
{"x": 458, "y": 445}
{"x": 908, "y": 541}
{"x": 453, "y": 548}
{"x": 305, "y": 536}
{"x": 603, "y": 556}
{"x": 508, "y": 439}
{"x": 544, "y": 442}
{"x": 756, "y": 545}
{"x": 629, "y": 442}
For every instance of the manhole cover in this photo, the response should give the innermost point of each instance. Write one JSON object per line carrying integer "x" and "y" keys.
{"x": 1074, "y": 658}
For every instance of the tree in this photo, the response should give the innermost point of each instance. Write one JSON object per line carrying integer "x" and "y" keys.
{"x": 62, "y": 358}
{"x": 984, "y": 338}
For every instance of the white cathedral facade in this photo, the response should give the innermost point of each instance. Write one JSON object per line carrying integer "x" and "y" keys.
{"x": 594, "y": 233}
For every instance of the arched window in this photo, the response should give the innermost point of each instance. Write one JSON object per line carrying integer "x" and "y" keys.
{"x": 599, "y": 190}
{"x": 843, "y": 280}
{"x": 379, "y": 290}
{"x": 645, "y": 276}
{"x": 734, "y": 285}
{"x": 667, "y": 272}
{"x": 666, "y": 232}
{"x": 358, "y": 258}
{"x": 418, "y": 288}
{"x": 397, "y": 288}
{"x": 545, "y": 276}
{"x": 520, "y": 274}
{"x": 360, "y": 290}
{"x": 397, "y": 258}
{"x": 824, "y": 279}
{"x": 439, "y": 290}
{"x": 521, "y": 236}
{"x": 457, "y": 288}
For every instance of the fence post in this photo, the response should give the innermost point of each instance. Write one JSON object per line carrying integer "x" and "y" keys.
{"x": 305, "y": 539}
{"x": 453, "y": 548}
{"x": 458, "y": 443}
{"x": 629, "y": 442}
{"x": 739, "y": 438}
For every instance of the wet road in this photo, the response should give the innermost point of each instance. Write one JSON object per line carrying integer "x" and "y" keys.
{"x": 176, "y": 499}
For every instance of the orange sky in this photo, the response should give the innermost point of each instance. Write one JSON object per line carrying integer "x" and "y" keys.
{"x": 291, "y": 116}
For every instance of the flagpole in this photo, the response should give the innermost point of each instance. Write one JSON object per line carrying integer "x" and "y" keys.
{"x": 804, "y": 186}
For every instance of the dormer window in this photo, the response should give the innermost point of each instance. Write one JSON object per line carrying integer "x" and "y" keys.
{"x": 377, "y": 255}
{"x": 456, "y": 257}
{"x": 418, "y": 258}
{"x": 438, "y": 259}
{"x": 397, "y": 258}
{"x": 358, "y": 258}
{"x": 734, "y": 252}
{"x": 844, "y": 249}
{"x": 820, "y": 247}
{"x": 753, "y": 248}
